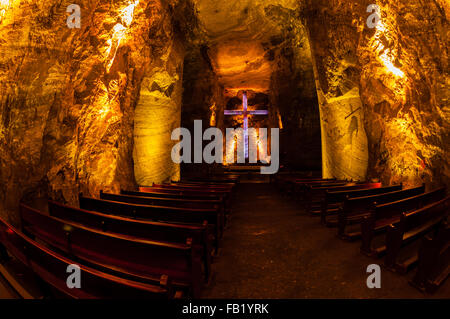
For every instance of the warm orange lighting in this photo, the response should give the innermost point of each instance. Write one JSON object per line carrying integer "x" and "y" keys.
{"x": 280, "y": 121}
{"x": 5, "y": 5}
{"x": 388, "y": 64}
{"x": 127, "y": 14}
{"x": 242, "y": 66}
{"x": 119, "y": 32}
{"x": 104, "y": 111}
{"x": 231, "y": 149}
{"x": 213, "y": 121}
{"x": 385, "y": 54}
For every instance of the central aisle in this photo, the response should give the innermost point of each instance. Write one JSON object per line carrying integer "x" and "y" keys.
{"x": 272, "y": 249}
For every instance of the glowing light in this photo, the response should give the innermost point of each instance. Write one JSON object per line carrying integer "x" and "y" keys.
{"x": 245, "y": 113}
{"x": 280, "y": 121}
{"x": 231, "y": 150}
{"x": 385, "y": 54}
{"x": 388, "y": 64}
{"x": 5, "y": 5}
{"x": 127, "y": 14}
{"x": 119, "y": 32}
{"x": 212, "y": 121}
{"x": 104, "y": 111}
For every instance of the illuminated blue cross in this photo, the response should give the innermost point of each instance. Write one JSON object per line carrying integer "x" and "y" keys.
{"x": 246, "y": 113}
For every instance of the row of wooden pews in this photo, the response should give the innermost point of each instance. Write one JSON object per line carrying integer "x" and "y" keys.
{"x": 406, "y": 226}
{"x": 157, "y": 242}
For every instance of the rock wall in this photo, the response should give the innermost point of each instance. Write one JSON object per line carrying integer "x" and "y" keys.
{"x": 383, "y": 91}
{"x": 158, "y": 111}
{"x": 203, "y": 96}
{"x": 67, "y": 96}
{"x": 333, "y": 39}
{"x": 293, "y": 92}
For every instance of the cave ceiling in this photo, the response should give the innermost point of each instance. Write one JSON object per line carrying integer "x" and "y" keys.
{"x": 240, "y": 34}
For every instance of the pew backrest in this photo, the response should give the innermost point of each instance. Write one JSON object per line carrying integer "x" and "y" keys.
{"x": 355, "y": 204}
{"x": 173, "y": 195}
{"x": 201, "y": 235}
{"x": 157, "y": 213}
{"x": 334, "y": 196}
{"x": 389, "y": 210}
{"x": 52, "y": 267}
{"x": 117, "y": 253}
{"x": 165, "y": 202}
{"x": 413, "y": 225}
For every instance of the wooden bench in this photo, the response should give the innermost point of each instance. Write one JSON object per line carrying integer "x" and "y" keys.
{"x": 355, "y": 209}
{"x": 194, "y": 188}
{"x": 204, "y": 184}
{"x": 192, "y": 193}
{"x": 334, "y": 199}
{"x": 434, "y": 261}
{"x": 214, "y": 217}
{"x": 233, "y": 179}
{"x": 138, "y": 259}
{"x": 173, "y": 195}
{"x": 287, "y": 183}
{"x": 51, "y": 267}
{"x": 298, "y": 189}
{"x": 412, "y": 226}
{"x": 316, "y": 195}
{"x": 166, "y": 202}
{"x": 200, "y": 235}
{"x": 222, "y": 184}
{"x": 385, "y": 214}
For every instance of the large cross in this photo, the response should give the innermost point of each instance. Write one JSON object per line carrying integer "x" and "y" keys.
{"x": 245, "y": 113}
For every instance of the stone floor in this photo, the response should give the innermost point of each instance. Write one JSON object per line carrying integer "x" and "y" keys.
{"x": 272, "y": 249}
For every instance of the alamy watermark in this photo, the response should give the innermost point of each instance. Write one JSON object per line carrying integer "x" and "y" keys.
{"x": 374, "y": 280}
{"x": 375, "y": 17}
{"x": 74, "y": 20}
{"x": 74, "y": 279}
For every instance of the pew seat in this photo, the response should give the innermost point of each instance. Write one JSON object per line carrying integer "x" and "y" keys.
{"x": 384, "y": 215}
{"x": 353, "y": 210}
{"x": 434, "y": 261}
{"x": 411, "y": 227}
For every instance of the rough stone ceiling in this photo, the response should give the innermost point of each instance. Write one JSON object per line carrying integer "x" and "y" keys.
{"x": 236, "y": 31}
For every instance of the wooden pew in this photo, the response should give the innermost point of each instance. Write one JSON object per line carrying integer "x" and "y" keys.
{"x": 193, "y": 193}
{"x": 215, "y": 218}
{"x": 195, "y": 188}
{"x": 51, "y": 267}
{"x": 316, "y": 195}
{"x": 166, "y": 202}
{"x": 355, "y": 209}
{"x": 173, "y": 233}
{"x": 233, "y": 179}
{"x": 139, "y": 259}
{"x": 287, "y": 183}
{"x": 173, "y": 195}
{"x": 335, "y": 199}
{"x": 206, "y": 187}
{"x": 298, "y": 189}
{"x": 385, "y": 214}
{"x": 434, "y": 261}
{"x": 204, "y": 184}
{"x": 412, "y": 226}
